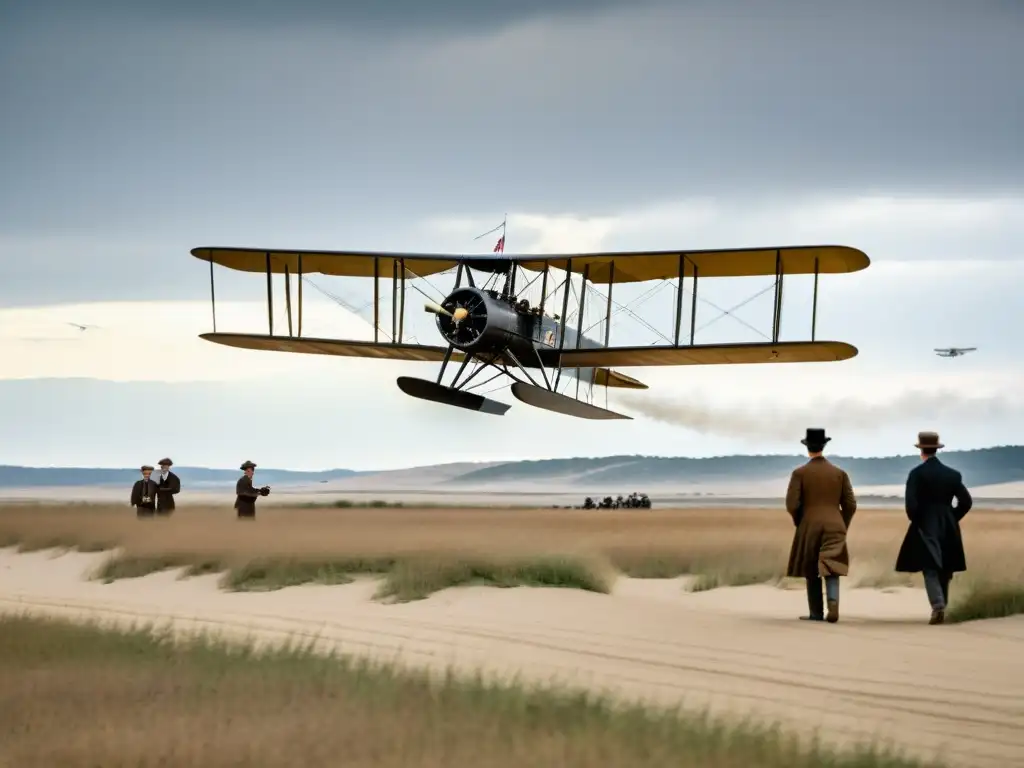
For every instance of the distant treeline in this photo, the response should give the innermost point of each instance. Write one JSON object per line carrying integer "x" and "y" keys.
{"x": 35, "y": 477}
{"x": 985, "y": 466}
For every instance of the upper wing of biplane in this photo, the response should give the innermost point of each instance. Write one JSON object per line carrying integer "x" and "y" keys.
{"x": 612, "y": 267}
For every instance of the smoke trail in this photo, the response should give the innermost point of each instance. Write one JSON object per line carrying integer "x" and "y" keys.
{"x": 773, "y": 421}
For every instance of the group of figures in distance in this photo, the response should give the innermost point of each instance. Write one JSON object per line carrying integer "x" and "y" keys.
{"x": 633, "y": 501}
{"x": 485, "y": 322}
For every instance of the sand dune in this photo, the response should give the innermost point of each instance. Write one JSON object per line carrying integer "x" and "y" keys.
{"x": 954, "y": 691}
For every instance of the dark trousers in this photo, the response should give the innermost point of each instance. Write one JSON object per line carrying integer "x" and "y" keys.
{"x": 936, "y": 584}
{"x": 144, "y": 511}
{"x": 815, "y": 602}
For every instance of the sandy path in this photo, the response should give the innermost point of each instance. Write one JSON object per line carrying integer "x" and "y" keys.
{"x": 952, "y": 691}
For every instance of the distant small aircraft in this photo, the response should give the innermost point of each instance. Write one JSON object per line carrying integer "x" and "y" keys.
{"x": 81, "y": 327}
{"x": 954, "y": 351}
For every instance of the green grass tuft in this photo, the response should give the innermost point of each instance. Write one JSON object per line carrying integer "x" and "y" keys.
{"x": 418, "y": 578}
{"x": 987, "y": 600}
{"x": 46, "y": 542}
{"x": 121, "y": 566}
{"x": 271, "y": 574}
{"x": 143, "y": 697}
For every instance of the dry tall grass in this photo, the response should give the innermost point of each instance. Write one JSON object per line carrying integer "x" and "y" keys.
{"x": 78, "y": 695}
{"x": 421, "y": 550}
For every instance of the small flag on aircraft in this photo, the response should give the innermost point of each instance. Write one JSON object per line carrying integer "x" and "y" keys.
{"x": 499, "y": 247}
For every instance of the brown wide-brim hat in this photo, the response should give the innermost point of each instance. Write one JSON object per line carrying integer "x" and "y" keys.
{"x": 928, "y": 440}
{"x": 145, "y": 467}
{"x": 165, "y": 463}
{"x": 247, "y": 465}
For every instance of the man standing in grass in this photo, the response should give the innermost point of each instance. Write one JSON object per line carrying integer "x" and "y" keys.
{"x": 144, "y": 493}
{"x": 821, "y": 502}
{"x": 246, "y": 494}
{"x": 168, "y": 486}
{"x": 933, "y": 544}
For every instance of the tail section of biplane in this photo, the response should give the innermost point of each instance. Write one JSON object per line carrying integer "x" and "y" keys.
{"x": 491, "y": 330}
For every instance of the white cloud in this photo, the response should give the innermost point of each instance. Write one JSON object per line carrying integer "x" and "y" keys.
{"x": 886, "y": 227}
{"x": 158, "y": 341}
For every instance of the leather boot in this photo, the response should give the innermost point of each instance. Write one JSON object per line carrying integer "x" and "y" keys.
{"x": 832, "y": 595}
{"x": 815, "y": 601}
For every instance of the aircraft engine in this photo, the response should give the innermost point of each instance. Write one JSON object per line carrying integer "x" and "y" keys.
{"x": 474, "y": 321}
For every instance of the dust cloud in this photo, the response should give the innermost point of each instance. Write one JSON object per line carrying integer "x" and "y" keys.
{"x": 773, "y": 421}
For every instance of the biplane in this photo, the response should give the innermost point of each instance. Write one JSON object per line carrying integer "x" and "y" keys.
{"x": 484, "y": 322}
{"x": 954, "y": 351}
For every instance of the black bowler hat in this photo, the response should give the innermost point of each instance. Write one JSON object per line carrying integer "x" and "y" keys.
{"x": 815, "y": 437}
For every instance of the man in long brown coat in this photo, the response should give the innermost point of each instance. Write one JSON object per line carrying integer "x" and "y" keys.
{"x": 821, "y": 502}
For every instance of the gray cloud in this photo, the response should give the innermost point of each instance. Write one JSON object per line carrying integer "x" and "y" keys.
{"x": 129, "y": 136}
{"x": 394, "y": 17}
{"x": 121, "y": 122}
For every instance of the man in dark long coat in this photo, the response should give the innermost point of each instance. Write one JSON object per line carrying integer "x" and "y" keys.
{"x": 167, "y": 486}
{"x": 144, "y": 493}
{"x": 821, "y": 502}
{"x": 246, "y": 494}
{"x": 933, "y": 544}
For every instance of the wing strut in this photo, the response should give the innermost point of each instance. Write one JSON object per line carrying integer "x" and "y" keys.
{"x": 213, "y": 298}
{"x": 401, "y": 310}
{"x": 376, "y": 300}
{"x": 679, "y": 296}
{"x": 288, "y": 296}
{"x": 543, "y": 288}
{"x": 565, "y": 308}
{"x": 270, "y": 297}
{"x": 693, "y": 307}
{"x": 814, "y": 306}
{"x": 608, "y": 311}
{"x": 777, "y": 314}
{"x": 394, "y": 299}
{"x": 583, "y": 300}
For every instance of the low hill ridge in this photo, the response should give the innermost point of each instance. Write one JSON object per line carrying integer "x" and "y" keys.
{"x": 985, "y": 466}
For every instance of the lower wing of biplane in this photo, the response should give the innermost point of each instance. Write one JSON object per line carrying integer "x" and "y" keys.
{"x": 491, "y": 328}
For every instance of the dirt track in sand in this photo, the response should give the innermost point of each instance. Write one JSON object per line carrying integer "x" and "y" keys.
{"x": 952, "y": 691}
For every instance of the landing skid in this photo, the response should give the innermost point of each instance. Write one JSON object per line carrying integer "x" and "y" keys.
{"x": 438, "y": 393}
{"x": 539, "y": 397}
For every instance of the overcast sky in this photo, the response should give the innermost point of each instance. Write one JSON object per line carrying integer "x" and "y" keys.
{"x": 131, "y": 132}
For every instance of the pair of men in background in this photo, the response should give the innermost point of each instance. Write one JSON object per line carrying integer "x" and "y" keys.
{"x": 155, "y": 497}
{"x": 821, "y": 501}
